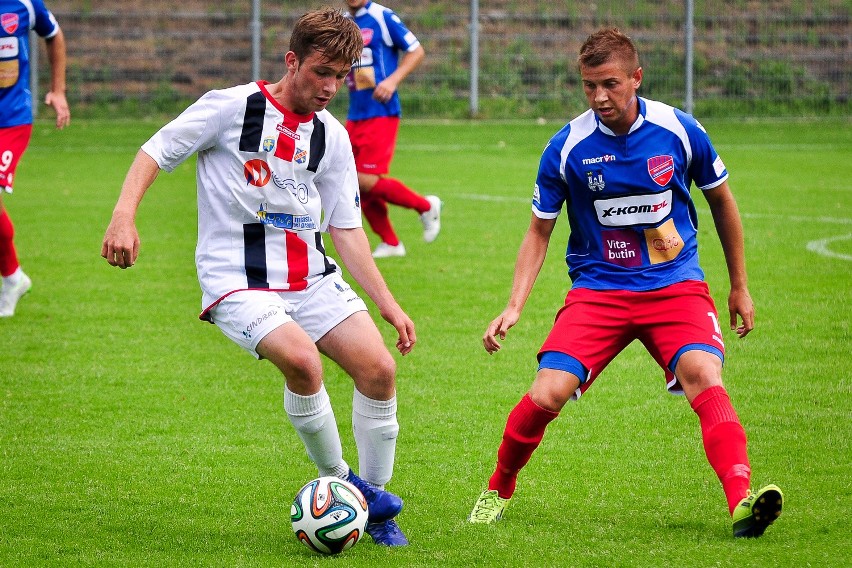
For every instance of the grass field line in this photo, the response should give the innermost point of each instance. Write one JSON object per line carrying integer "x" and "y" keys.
{"x": 821, "y": 247}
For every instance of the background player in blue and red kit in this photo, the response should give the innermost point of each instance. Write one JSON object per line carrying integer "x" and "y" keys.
{"x": 373, "y": 122}
{"x": 17, "y": 18}
{"x": 623, "y": 170}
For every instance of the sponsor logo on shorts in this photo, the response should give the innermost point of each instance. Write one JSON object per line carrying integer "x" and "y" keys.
{"x": 257, "y": 322}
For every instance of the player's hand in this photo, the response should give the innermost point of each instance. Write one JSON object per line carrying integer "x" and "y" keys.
{"x": 741, "y": 305}
{"x": 383, "y": 92}
{"x": 121, "y": 243}
{"x": 404, "y": 327}
{"x": 60, "y": 104}
{"x": 497, "y": 329}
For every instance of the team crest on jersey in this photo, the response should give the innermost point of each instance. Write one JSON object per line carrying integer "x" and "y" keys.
{"x": 300, "y": 156}
{"x": 268, "y": 144}
{"x": 367, "y": 35}
{"x": 596, "y": 180}
{"x": 257, "y": 172}
{"x": 9, "y": 23}
{"x": 661, "y": 169}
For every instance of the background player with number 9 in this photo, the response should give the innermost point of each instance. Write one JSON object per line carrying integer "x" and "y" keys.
{"x": 17, "y": 18}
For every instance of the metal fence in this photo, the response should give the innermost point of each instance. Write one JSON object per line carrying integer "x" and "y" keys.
{"x": 768, "y": 58}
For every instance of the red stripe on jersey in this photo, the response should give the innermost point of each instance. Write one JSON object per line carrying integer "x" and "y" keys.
{"x": 286, "y": 147}
{"x": 297, "y": 261}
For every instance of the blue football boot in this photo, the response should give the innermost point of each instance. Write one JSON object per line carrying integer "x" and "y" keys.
{"x": 381, "y": 505}
{"x": 387, "y": 533}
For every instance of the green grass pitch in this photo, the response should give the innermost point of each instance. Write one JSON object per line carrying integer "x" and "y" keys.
{"x": 131, "y": 434}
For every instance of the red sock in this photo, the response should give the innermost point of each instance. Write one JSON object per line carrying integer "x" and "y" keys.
{"x": 376, "y": 213}
{"x": 8, "y": 256}
{"x": 724, "y": 442}
{"x": 394, "y": 191}
{"x": 524, "y": 431}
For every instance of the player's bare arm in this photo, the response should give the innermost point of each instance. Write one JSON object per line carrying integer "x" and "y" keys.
{"x": 729, "y": 227}
{"x": 121, "y": 240}
{"x": 56, "y": 96}
{"x": 530, "y": 260}
{"x": 409, "y": 62}
{"x": 354, "y": 250}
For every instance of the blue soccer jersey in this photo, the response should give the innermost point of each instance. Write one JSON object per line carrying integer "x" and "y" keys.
{"x": 385, "y": 38}
{"x": 633, "y": 223}
{"x": 17, "y": 18}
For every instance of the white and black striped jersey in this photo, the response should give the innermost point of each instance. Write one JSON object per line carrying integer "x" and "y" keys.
{"x": 269, "y": 183}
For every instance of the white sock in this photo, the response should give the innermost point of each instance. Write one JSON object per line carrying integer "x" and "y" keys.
{"x": 14, "y": 278}
{"x": 376, "y": 428}
{"x": 313, "y": 419}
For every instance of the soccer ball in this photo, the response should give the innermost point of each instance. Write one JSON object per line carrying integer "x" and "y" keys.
{"x": 329, "y": 515}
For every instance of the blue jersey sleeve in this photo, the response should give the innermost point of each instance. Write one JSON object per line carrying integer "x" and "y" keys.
{"x": 401, "y": 37}
{"x": 551, "y": 190}
{"x": 45, "y": 24}
{"x": 706, "y": 168}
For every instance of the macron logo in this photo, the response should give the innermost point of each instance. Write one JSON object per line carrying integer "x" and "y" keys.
{"x": 599, "y": 160}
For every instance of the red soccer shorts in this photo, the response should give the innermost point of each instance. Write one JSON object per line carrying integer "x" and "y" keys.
{"x": 13, "y": 142}
{"x": 595, "y": 326}
{"x": 373, "y": 142}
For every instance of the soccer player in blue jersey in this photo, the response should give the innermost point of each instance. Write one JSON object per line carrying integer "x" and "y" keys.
{"x": 17, "y": 18}
{"x": 390, "y": 53}
{"x": 623, "y": 171}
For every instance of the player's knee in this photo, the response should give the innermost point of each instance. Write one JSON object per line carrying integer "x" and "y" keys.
{"x": 378, "y": 379}
{"x": 697, "y": 371}
{"x": 303, "y": 371}
{"x": 549, "y": 396}
{"x": 385, "y": 371}
{"x": 552, "y": 389}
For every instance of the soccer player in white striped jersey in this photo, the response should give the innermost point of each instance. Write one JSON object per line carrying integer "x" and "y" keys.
{"x": 275, "y": 171}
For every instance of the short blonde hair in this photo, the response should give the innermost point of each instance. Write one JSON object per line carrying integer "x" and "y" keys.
{"x": 606, "y": 45}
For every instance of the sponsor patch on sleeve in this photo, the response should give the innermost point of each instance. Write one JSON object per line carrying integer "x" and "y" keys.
{"x": 718, "y": 166}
